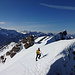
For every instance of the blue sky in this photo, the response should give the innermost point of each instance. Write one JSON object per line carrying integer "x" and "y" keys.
{"x": 38, "y": 15}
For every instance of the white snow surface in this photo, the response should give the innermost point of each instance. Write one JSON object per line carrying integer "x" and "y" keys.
{"x": 24, "y": 62}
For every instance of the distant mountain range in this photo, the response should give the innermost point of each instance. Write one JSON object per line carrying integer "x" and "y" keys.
{"x": 7, "y": 36}
{"x": 36, "y": 34}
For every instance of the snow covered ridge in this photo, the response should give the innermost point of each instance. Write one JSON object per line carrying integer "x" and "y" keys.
{"x": 59, "y": 36}
{"x": 4, "y": 51}
{"x": 27, "y": 42}
{"x": 66, "y": 64}
{"x": 58, "y": 58}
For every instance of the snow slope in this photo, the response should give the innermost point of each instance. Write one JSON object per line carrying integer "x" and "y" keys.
{"x": 24, "y": 63}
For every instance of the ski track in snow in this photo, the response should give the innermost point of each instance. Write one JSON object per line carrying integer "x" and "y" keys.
{"x": 24, "y": 63}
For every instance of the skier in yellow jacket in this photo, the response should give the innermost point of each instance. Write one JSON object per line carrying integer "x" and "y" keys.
{"x": 38, "y": 54}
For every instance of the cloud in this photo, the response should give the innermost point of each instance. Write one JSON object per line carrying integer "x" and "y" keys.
{"x": 58, "y": 7}
{"x": 2, "y": 22}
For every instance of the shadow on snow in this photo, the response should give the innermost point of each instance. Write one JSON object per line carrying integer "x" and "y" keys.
{"x": 44, "y": 55}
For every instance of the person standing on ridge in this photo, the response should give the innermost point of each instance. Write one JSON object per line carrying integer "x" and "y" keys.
{"x": 38, "y": 54}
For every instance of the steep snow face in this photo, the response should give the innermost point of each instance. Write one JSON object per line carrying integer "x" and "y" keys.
{"x": 7, "y": 48}
{"x": 24, "y": 62}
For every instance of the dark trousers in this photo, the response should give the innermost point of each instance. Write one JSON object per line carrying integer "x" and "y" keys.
{"x": 38, "y": 56}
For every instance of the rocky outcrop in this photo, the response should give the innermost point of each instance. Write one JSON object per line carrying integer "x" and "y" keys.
{"x": 14, "y": 50}
{"x": 28, "y": 41}
{"x": 59, "y": 36}
{"x": 12, "y": 55}
{"x": 3, "y": 59}
{"x": 41, "y": 39}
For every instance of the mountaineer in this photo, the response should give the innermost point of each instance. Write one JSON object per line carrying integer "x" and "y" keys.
{"x": 38, "y": 54}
